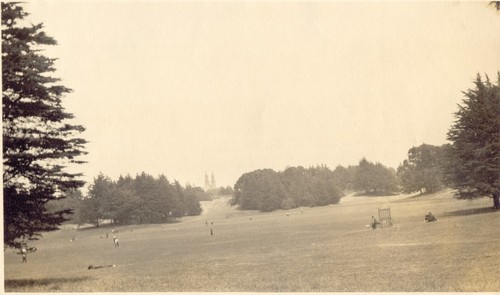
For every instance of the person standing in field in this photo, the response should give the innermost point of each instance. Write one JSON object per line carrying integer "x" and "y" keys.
{"x": 211, "y": 232}
{"x": 24, "y": 254}
{"x": 117, "y": 243}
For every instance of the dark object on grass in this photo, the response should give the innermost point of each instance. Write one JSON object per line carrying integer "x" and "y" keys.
{"x": 430, "y": 218}
{"x": 374, "y": 223}
{"x": 100, "y": 266}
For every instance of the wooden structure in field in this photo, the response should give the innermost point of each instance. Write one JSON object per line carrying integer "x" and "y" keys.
{"x": 384, "y": 217}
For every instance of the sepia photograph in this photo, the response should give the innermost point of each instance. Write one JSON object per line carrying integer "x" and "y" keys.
{"x": 250, "y": 146}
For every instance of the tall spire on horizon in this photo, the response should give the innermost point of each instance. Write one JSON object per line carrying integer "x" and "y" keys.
{"x": 207, "y": 184}
{"x": 213, "y": 181}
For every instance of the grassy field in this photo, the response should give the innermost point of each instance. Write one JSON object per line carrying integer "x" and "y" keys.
{"x": 324, "y": 249}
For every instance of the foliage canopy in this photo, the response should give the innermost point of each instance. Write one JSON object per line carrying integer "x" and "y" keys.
{"x": 38, "y": 142}
{"x": 423, "y": 170}
{"x": 143, "y": 199}
{"x": 475, "y": 137}
{"x": 268, "y": 190}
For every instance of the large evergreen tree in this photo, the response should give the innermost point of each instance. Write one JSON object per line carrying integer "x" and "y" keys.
{"x": 38, "y": 142}
{"x": 475, "y": 137}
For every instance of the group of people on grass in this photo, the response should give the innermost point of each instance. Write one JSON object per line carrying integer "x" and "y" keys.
{"x": 428, "y": 218}
{"x": 374, "y": 223}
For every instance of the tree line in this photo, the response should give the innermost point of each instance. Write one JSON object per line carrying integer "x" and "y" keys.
{"x": 139, "y": 200}
{"x": 268, "y": 190}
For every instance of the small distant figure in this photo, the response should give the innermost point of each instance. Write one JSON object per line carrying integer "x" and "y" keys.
{"x": 301, "y": 211}
{"x": 374, "y": 222}
{"x": 430, "y": 218}
{"x": 24, "y": 253}
{"x": 250, "y": 217}
{"x": 206, "y": 223}
{"x": 211, "y": 232}
{"x": 106, "y": 235}
{"x": 117, "y": 243}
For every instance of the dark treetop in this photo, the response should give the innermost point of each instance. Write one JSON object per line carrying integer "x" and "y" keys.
{"x": 37, "y": 140}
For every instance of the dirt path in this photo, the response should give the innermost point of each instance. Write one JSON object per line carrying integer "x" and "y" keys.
{"x": 353, "y": 199}
{"x": 216, "y": 207}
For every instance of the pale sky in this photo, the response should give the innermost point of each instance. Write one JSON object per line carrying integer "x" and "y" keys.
{"x": 184, "y": 88}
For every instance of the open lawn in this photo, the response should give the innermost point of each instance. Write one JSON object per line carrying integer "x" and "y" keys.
{"x": 323, "y": 249}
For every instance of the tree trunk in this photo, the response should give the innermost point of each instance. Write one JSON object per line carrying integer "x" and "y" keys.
{"x": 496, "y": 201}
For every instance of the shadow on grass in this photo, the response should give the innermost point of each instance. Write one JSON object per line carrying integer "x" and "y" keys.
{"x": 14, "y": 284}
{"x": 473, "y": 211}
{"x": 125, "y": 227}
{"x": 421, "y": 195}
{"x": 375, "y": 194}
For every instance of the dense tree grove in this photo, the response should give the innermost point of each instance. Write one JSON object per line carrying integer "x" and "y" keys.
{"x": 475, "y": 148}
{"x": 423, "y": 170}
{"x": 268, "y": 190}
{"x": 143, "y": 199}
{"x": 38, "y": 141}
{"x": 374, "y": 178}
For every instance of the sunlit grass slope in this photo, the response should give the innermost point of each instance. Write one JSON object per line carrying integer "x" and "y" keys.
{"x": 322, "y": 249}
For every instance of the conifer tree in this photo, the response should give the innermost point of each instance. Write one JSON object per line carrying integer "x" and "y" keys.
{"x": 475, "y": 137}
{"x": 38, "y": 142}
